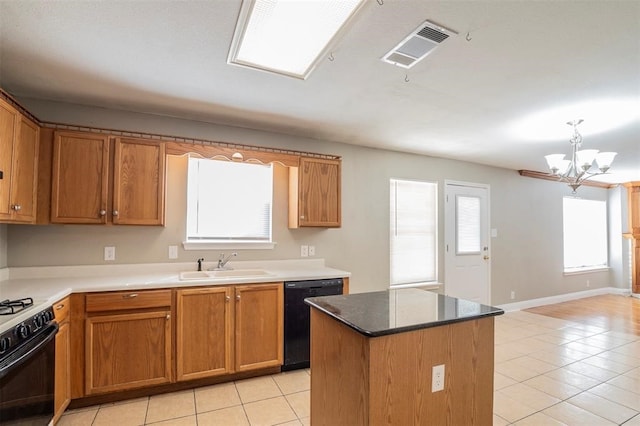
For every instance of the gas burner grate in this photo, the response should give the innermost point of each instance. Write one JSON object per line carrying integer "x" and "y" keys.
{"x": 10, "y": 307}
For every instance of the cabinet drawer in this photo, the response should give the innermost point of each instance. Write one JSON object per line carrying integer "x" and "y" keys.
{"x": 61, "y": 310}
{"x": 123, "y": 300}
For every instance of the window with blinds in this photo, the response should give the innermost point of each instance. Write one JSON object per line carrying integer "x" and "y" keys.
{"x": 413, "y": 232}
{"x": 228, "y": 201}
{"x": 468, "y": 222}
{"x": 584, "y": 234}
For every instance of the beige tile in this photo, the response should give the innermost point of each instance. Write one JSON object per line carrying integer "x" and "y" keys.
{"x": 573, "y": 379}
{"x": 232, "y": 416}
{"x": 592, "y": 371}
{"x": 510, "y": 409}
{"x": 523, "y": 368}
{"x": 627, "y": 383}
{"x": 582, "y": 347}
{"x": 602, "y": 407}
{"x": 122, "y": 414}
{"x": 170, "y": 406}
{"x": 608, "y": 364}
{"x": 634, "y": 421}
{"x": 635, "y": 373}
{"x": 256, "y": 389}
{"x": 301, "y": 403}
{"x": 79, "y": 409}
{"x": 215, "y": 397}
{"x": 501, "y": 381}
{"x": 529, "y": 396}
{"x": 180, "y": 421}
{"x": 622, "y": 359}
{"x": 538, "y": 419}
{"x": 307, "y": 421}
{"x": 553, "y": 387}
{"x": 269, "y": 412}
{"x": 553, "y": 357}
{"x": 499, "y": 421}
{"x": 78, "y": 418}
{"x": 293, "y": 381}
{"x": 572, "y": 415}
{"x": 621, "y": 396}
{"x": 291, "y": 423}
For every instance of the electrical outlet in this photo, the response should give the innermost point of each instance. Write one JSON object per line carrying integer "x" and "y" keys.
{"x": 513, "y": 295}
{"x": 173, "y": 252}
{"x": 304, "y": 251}
{"x": 109, "y": 253}
{"x": 437, "y": 381}
{"x": 312, "y": 250}
{"x": 588, "y": 283}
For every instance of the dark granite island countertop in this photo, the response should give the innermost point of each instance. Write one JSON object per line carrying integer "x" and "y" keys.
{"x": 396, "y": 311}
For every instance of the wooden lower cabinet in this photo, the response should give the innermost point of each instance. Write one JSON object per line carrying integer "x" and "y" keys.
{"x": 203, "y": 332}
{"x": 127, "y": 351}
{"x": 259, "y": 326}
{"x": 62, "y": 382}
{"x": 216, "y": 337}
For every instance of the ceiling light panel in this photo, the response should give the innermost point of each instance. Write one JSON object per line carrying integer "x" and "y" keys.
{"x": 288, "y": 37}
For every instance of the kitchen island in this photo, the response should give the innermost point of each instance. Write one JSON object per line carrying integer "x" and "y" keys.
{"x": 373, "y": 357}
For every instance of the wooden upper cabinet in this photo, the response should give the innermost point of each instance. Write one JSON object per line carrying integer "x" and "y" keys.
{"x": 138, "y": 182}
{"x": 19, "y": 140}
{"x": 203, "y": 332}
{"x": 82, "y": 180}
{"x": 314, "y": 193}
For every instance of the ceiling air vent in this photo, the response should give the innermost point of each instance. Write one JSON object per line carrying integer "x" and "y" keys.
{"x": 417, "y": 45}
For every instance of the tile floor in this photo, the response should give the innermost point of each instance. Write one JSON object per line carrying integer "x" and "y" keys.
{"x": 547, "y": 372}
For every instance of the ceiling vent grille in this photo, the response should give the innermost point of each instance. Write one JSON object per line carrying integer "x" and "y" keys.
{"x": 422, "y": 41}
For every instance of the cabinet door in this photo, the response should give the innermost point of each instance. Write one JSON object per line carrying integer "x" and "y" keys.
{"x": 127, "y": 351}
{"x": 24, "y": 190}
{"x": 203, "y": 332}
{"x": 138, "y": 182}
{"x": 79, "y": 178}
{"x": 62, "y": 392}
{"x": 259, "y": 326}
{"x": 319, "y": 193}
{"x": 8, "y": 131}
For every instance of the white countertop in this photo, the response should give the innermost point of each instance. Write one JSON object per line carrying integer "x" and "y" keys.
{"x": 47, "y": 285}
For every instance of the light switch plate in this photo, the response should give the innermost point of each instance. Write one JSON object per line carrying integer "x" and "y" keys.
{"x": 304, "y": 251}
{"x": 173, "y": 252}
{"x": 312, "y": 251}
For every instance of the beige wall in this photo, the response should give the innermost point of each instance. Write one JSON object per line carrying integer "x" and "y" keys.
{"x": 3, "y": 246}
{"x": 527, "y": 213}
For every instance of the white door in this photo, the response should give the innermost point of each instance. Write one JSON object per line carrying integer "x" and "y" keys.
{"x": 467, "y": 264}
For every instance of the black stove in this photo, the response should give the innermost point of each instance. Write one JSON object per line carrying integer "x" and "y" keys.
{"x": 10, "y": 307}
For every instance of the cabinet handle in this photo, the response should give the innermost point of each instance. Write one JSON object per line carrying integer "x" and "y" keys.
{"x": 238, "y": 297}
{"x": 301, "y": 217}
{"x": 103, "y": 212}
{"x": 227, "y": 298}
{"x": 16, "y": 207}
{"x": 168, "y": 316}
{"x": 60, "y": 306}
{"x": 115, "y": 212}
{"x": 130, "y": 296}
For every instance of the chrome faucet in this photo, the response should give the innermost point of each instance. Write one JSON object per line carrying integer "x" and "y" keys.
{"x": 222, "y": 261}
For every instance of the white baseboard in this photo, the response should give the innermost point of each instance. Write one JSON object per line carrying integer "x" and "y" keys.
{"x": 526, "y": 304}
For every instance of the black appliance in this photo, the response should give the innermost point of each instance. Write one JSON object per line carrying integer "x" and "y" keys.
{"x": 297, "y": 316}
{"x": 27, "y": 365}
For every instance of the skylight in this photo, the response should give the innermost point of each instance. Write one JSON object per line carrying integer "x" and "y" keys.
{"x": 288, "y": 36}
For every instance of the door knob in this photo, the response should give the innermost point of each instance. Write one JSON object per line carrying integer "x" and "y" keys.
{"x": 486, "y": 258}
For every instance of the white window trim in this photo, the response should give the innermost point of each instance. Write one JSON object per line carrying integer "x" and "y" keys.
{"x": 210, "y": 245}
{"x": 586, "y": 270}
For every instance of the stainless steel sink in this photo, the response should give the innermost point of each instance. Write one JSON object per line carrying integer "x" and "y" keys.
{"x": 223, "y": 273}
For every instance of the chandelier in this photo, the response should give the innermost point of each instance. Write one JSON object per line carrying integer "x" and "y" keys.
{"x": 578, "y": 169}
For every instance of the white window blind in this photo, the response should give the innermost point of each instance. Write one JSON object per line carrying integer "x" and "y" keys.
{"x": 584, "y": 234}
{"x": 467, "y": 225}
{"x": 228, "y": 201}
{"x": 413, "y": 232}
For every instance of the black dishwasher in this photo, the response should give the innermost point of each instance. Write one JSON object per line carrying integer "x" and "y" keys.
{"x": 297, "y": 317}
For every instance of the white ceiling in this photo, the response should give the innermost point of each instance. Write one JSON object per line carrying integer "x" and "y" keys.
{"x": 466, "y": 100}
